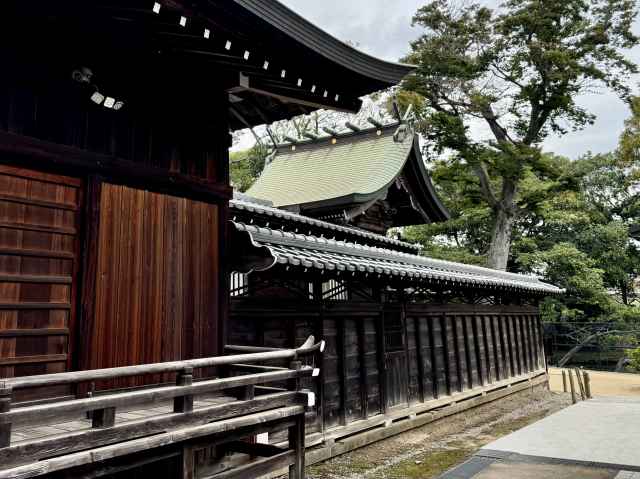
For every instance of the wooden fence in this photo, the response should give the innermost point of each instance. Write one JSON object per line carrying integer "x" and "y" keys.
{"x": 253, "y": 408}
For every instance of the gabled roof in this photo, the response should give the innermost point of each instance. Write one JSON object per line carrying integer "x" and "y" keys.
{"x": 348, "y": 170}
{"x": 339, "y": 257}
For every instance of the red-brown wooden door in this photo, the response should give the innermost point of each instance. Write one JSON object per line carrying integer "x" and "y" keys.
{"x": 39, "y": 230}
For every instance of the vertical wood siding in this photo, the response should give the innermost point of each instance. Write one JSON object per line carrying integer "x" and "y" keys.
{"x": 39, "y": 229}
{"x": 157, "y": 279}
{"x": 445, "y": 349}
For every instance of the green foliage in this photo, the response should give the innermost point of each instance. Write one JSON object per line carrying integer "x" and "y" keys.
{"x": 573, "y": 229}
{"x": 245, "y": 166}
{"x": 519, "y": 70}
{"x": 634, "y": 359}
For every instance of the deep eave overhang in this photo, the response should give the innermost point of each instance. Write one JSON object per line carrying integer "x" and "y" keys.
{"x": 267, "y": 29}
{"x": 308, "y": 34}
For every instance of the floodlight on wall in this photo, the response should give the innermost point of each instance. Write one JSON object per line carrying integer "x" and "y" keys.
{"x": 97, "y": 98}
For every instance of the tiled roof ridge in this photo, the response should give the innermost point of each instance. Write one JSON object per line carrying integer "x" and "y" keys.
{"x": 449, "y": 270}
{"x": 320, "y": 141}
{"x": 242, "y": 203}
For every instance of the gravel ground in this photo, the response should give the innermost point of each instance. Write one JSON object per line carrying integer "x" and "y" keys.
{"x": 428, "y": 451}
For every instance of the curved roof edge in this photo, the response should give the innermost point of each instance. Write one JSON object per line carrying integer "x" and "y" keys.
{"x": 242, "y": 202}
{"x": 324, "y": 254}
{"x": 305, "y": 32}
{"x": 436, "y": 210}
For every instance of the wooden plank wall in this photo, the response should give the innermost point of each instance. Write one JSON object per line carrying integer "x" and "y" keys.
{"x": 39, "y": 229}
{"x": 157, "y": 291}
{"x": 449, "y": 349}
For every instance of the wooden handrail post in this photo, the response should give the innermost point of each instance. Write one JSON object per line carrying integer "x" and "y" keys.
{"x": 103, "y": 418}
{"x": 296, "y": 443}
{"x": 5, "y": 406}
{"x": 294, "y": 384}
{"x": 184, "y": 403}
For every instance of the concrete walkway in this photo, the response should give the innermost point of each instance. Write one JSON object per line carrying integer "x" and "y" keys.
{"x": 598, "y": 438}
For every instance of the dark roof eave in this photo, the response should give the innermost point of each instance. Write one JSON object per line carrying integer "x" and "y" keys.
{"x": 309, "y": 35}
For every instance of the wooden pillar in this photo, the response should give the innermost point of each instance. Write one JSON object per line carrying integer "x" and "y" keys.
{"x": 296, "y": 443}
{"x": 382, "y": 369}
{"x": 496, "y": 348}
{"x": 447, "y": 360}
{"x": 456, "y": 351}
{"x": 434, "y": 357}
{"x": 5, "y": 406}
{"x": 476, "y": 342}
{"x": 364, "y": 376}
{"x": 342, "y": 352}
{"x": 419, "y": 355}
{"x": 467, "y": 349}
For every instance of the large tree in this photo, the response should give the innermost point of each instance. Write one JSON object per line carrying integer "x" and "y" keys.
{"x": 515, "y": 73}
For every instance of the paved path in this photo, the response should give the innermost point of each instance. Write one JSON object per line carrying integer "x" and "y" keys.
{"x": 599, "y": 438}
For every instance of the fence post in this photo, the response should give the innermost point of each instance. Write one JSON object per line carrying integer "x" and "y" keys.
{"x": 580, "y": 385}
{"x": 184, "y": 403}
{"x": 5, "y": 405}
{"x": 587, "y": 384}
{"x": 564, "y": 381}
{"x": 573, "y": 389}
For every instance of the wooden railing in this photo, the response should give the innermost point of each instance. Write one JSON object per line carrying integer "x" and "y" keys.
{"x": 108, "y": 438}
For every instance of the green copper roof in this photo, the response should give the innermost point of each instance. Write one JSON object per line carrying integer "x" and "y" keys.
{"x": 360, "y": 166}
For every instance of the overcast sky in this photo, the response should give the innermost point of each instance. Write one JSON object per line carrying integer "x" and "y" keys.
{"x": 383, "y": 28}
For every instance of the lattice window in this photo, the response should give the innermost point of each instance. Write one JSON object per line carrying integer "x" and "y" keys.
{"x": 393, "y": 332}
{"x": 239, "y": 285}
{"x": 335, "y": 290}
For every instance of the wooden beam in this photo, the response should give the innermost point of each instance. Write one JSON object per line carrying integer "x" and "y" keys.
{"x": 29, "y": 414}
{"x": 156, "y": 368}
{"x": 37, "y": 253}
{"x": 352, "y": 127}
{"x": 260, "y": 467}
{"x": 84, "y": 439}
{"x": 50, "y": 358}
{"x": 28, "y": 278}
{"x": 99, "y": 454}
{"x": 15, "y": 333}
{"x": 40, "y": 153}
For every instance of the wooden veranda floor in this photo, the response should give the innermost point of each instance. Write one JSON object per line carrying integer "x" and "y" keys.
{"x": 123, "y": 416}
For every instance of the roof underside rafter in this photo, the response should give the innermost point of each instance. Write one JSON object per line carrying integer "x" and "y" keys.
{"x": 279, "y": 64}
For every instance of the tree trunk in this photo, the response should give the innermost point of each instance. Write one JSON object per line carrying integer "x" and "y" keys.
{"x": 501, "y": 238}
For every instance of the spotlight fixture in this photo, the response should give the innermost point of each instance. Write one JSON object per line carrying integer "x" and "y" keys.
{"x": 97, "y": 98}
{"x": 109, "y": 102}
{"x": 118, "y": 105}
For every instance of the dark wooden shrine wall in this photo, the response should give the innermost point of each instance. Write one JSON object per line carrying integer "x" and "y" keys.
{"x": 147, "y": 131}
{"x": 157, "y": 290}
{"x": 380, "y": 357}
{"x": 39, "y": 230}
